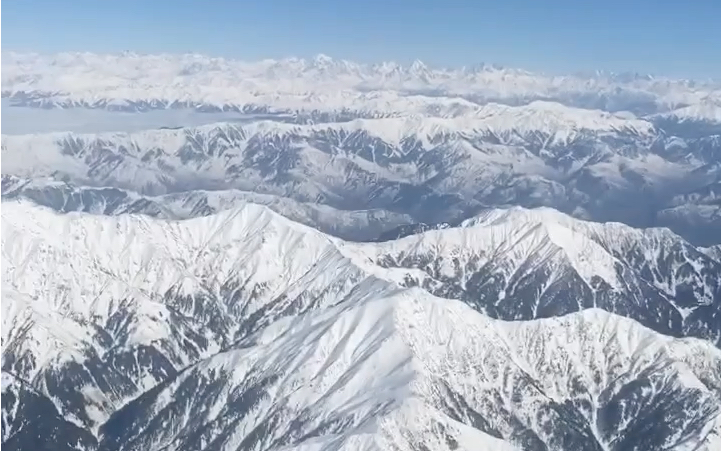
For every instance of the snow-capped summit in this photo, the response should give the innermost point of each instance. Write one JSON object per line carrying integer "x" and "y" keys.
{"x": 412, "y": 381}
{"x": 610, "y": 235}
{"x": 163, "y": 80}
{"x": 708, "y": 110}
{"x": 529, "y": 263}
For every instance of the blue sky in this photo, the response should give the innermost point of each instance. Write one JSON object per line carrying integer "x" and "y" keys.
{"x": 666, "y": 37}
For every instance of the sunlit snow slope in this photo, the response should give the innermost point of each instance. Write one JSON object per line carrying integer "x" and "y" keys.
{"x": 245, "y": 329}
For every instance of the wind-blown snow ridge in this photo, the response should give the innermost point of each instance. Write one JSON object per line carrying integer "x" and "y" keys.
{"x": 127, "y": 80}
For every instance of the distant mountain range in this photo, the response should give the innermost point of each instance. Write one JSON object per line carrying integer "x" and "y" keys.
{"x": 591, "y": 164}
{"x": 136, "y": 82}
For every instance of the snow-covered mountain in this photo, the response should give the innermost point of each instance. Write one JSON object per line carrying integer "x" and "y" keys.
{"x": 130, "y": 307}
{"x": 432, "y": 144}
{"x": 589, "y": 163}
{"x": 396, "y": 374}
{"x": 135, "y": 82}
{"x": 520, "y": 264}
{"x": 132, "y": 300}
{"x": 363, "y": 225}
{"x": 706, "y": 113}
{"x": 30, "y": 420}
{"x": 357, "y": 257}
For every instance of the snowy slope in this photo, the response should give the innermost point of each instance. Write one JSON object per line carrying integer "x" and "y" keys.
{"x": 158, "y": 295}
{"x": 31, "y": 421}
{"x": 528, "y": 263}
{"x": 204, "y": 320}
{"x": 65, "y": 197}
{"x": 127, "y": 301}
{"x": 592, "y": 163}
{"x": 394, "y": 373}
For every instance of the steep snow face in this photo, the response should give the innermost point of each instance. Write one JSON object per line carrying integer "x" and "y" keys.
{"x": 120, "y": 303}
{"x": 141, "y": 82}
{"x": 522, "y": 264}
{"x": 394, "y": 373}
{"x": 210, "y": 310}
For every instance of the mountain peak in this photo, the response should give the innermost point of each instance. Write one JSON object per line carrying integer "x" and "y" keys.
{"x": 399, "y": 358}
{"x": 322, "y": 60}
{"x": 245, "y": 307}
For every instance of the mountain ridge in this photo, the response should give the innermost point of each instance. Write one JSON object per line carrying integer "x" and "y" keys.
{"x": 357, "y": 257}
{"x": 33, "y": 78}
{"x": 440, "y": 177}
{"x": 35, "y": 72}
{"x": 410, "y": 312}
{"x": 133, "y": 302}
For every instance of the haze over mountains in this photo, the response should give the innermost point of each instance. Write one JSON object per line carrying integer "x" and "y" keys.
{"x": 358, "y": 257}
{"x": 324, "y": 83}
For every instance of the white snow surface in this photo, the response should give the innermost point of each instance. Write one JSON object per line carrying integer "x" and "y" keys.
{"x": 708, "y": 110}
{"x": 363, "y": 351}
{"x": 321, "y": 83}
{"x": 395, "y": 353}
